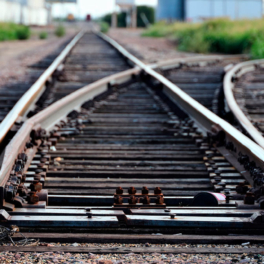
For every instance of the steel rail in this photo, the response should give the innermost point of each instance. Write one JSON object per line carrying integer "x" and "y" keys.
{"x": 236, "y": 72}
{"x": 24, "y": 104}
{"x": 203, "y": 116}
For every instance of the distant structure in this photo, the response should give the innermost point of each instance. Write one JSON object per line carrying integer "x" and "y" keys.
{"x": 27, "y": 12}
{"x": 130, "y": 8}
{"x": 197, "y": 10}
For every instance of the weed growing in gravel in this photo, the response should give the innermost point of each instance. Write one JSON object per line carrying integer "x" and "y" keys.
{"x": 217, "y": 36}
{"x": 43, "y": 35}
{"x": 60, "y": 31}
{"x": 104, "y": 27}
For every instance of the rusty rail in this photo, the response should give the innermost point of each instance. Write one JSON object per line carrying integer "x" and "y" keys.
{"x": 23, "y": 106}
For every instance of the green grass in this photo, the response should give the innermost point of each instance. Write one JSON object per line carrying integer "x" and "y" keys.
{"x": 60, "y": 31}
{"x": 104, "y": 27}
{"x": 214, "y": 36}
{"x": 43, "y": 35}
{"x": 11, "y": 31}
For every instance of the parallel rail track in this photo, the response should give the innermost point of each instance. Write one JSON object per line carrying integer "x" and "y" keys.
{"x": 84, "y": 162}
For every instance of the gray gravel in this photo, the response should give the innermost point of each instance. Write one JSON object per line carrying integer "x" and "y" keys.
{"x": 64, "y": 257}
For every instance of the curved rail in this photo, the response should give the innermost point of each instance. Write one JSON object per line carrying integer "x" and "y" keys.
{"x": 35, "y": 91}
{"x": 236, "y": 72}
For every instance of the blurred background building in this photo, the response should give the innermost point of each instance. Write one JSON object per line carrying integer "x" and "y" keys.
{"x": 27, "y": 12}
{"x": 196, "y": 10}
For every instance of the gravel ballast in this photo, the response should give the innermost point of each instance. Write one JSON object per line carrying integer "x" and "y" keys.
{"x": 158, "y": 258}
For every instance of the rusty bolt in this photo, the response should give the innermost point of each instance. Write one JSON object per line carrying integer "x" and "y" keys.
{"x": 32, "y": 198}
{"x": 159, "y": 200}
{"x": 118, "y": 200}
{"x": 119, "y": 190}
{"x": 36, "y": 186}
{"x": 132, "y": 200}
{"x": 145, "y": 200}
{"x": 145, "y": 190}
{"x": 132, "y": 190}
{"x": 249, "y": 198}
{"x": 157, "y": 190}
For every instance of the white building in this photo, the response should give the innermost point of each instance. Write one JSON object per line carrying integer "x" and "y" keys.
{"x": 27, "y": 12}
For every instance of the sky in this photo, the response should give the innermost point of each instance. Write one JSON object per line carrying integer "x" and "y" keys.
{"x": 96, "y": 8}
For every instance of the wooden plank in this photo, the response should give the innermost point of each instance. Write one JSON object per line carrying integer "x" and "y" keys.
{"x": 124, "y": 250}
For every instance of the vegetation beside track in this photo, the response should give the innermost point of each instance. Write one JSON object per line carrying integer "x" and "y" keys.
{"x": 104, "y": 27}
{"x": 214, "y": 36}
{"x": 11, "y": 31}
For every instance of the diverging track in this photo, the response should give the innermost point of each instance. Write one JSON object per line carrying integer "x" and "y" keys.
{"x": 129, "y": 152}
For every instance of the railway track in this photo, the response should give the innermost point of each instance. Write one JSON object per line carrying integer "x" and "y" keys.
{"x": 129, "y": 152}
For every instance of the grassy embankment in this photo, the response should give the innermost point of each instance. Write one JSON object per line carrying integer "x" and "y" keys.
{"x": 11, "y": 31}
{"x": 214, "y": 36}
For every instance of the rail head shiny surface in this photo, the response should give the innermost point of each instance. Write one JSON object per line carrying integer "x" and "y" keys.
{"x": 237, "y": 71}
{"x": 35, "y": 91}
